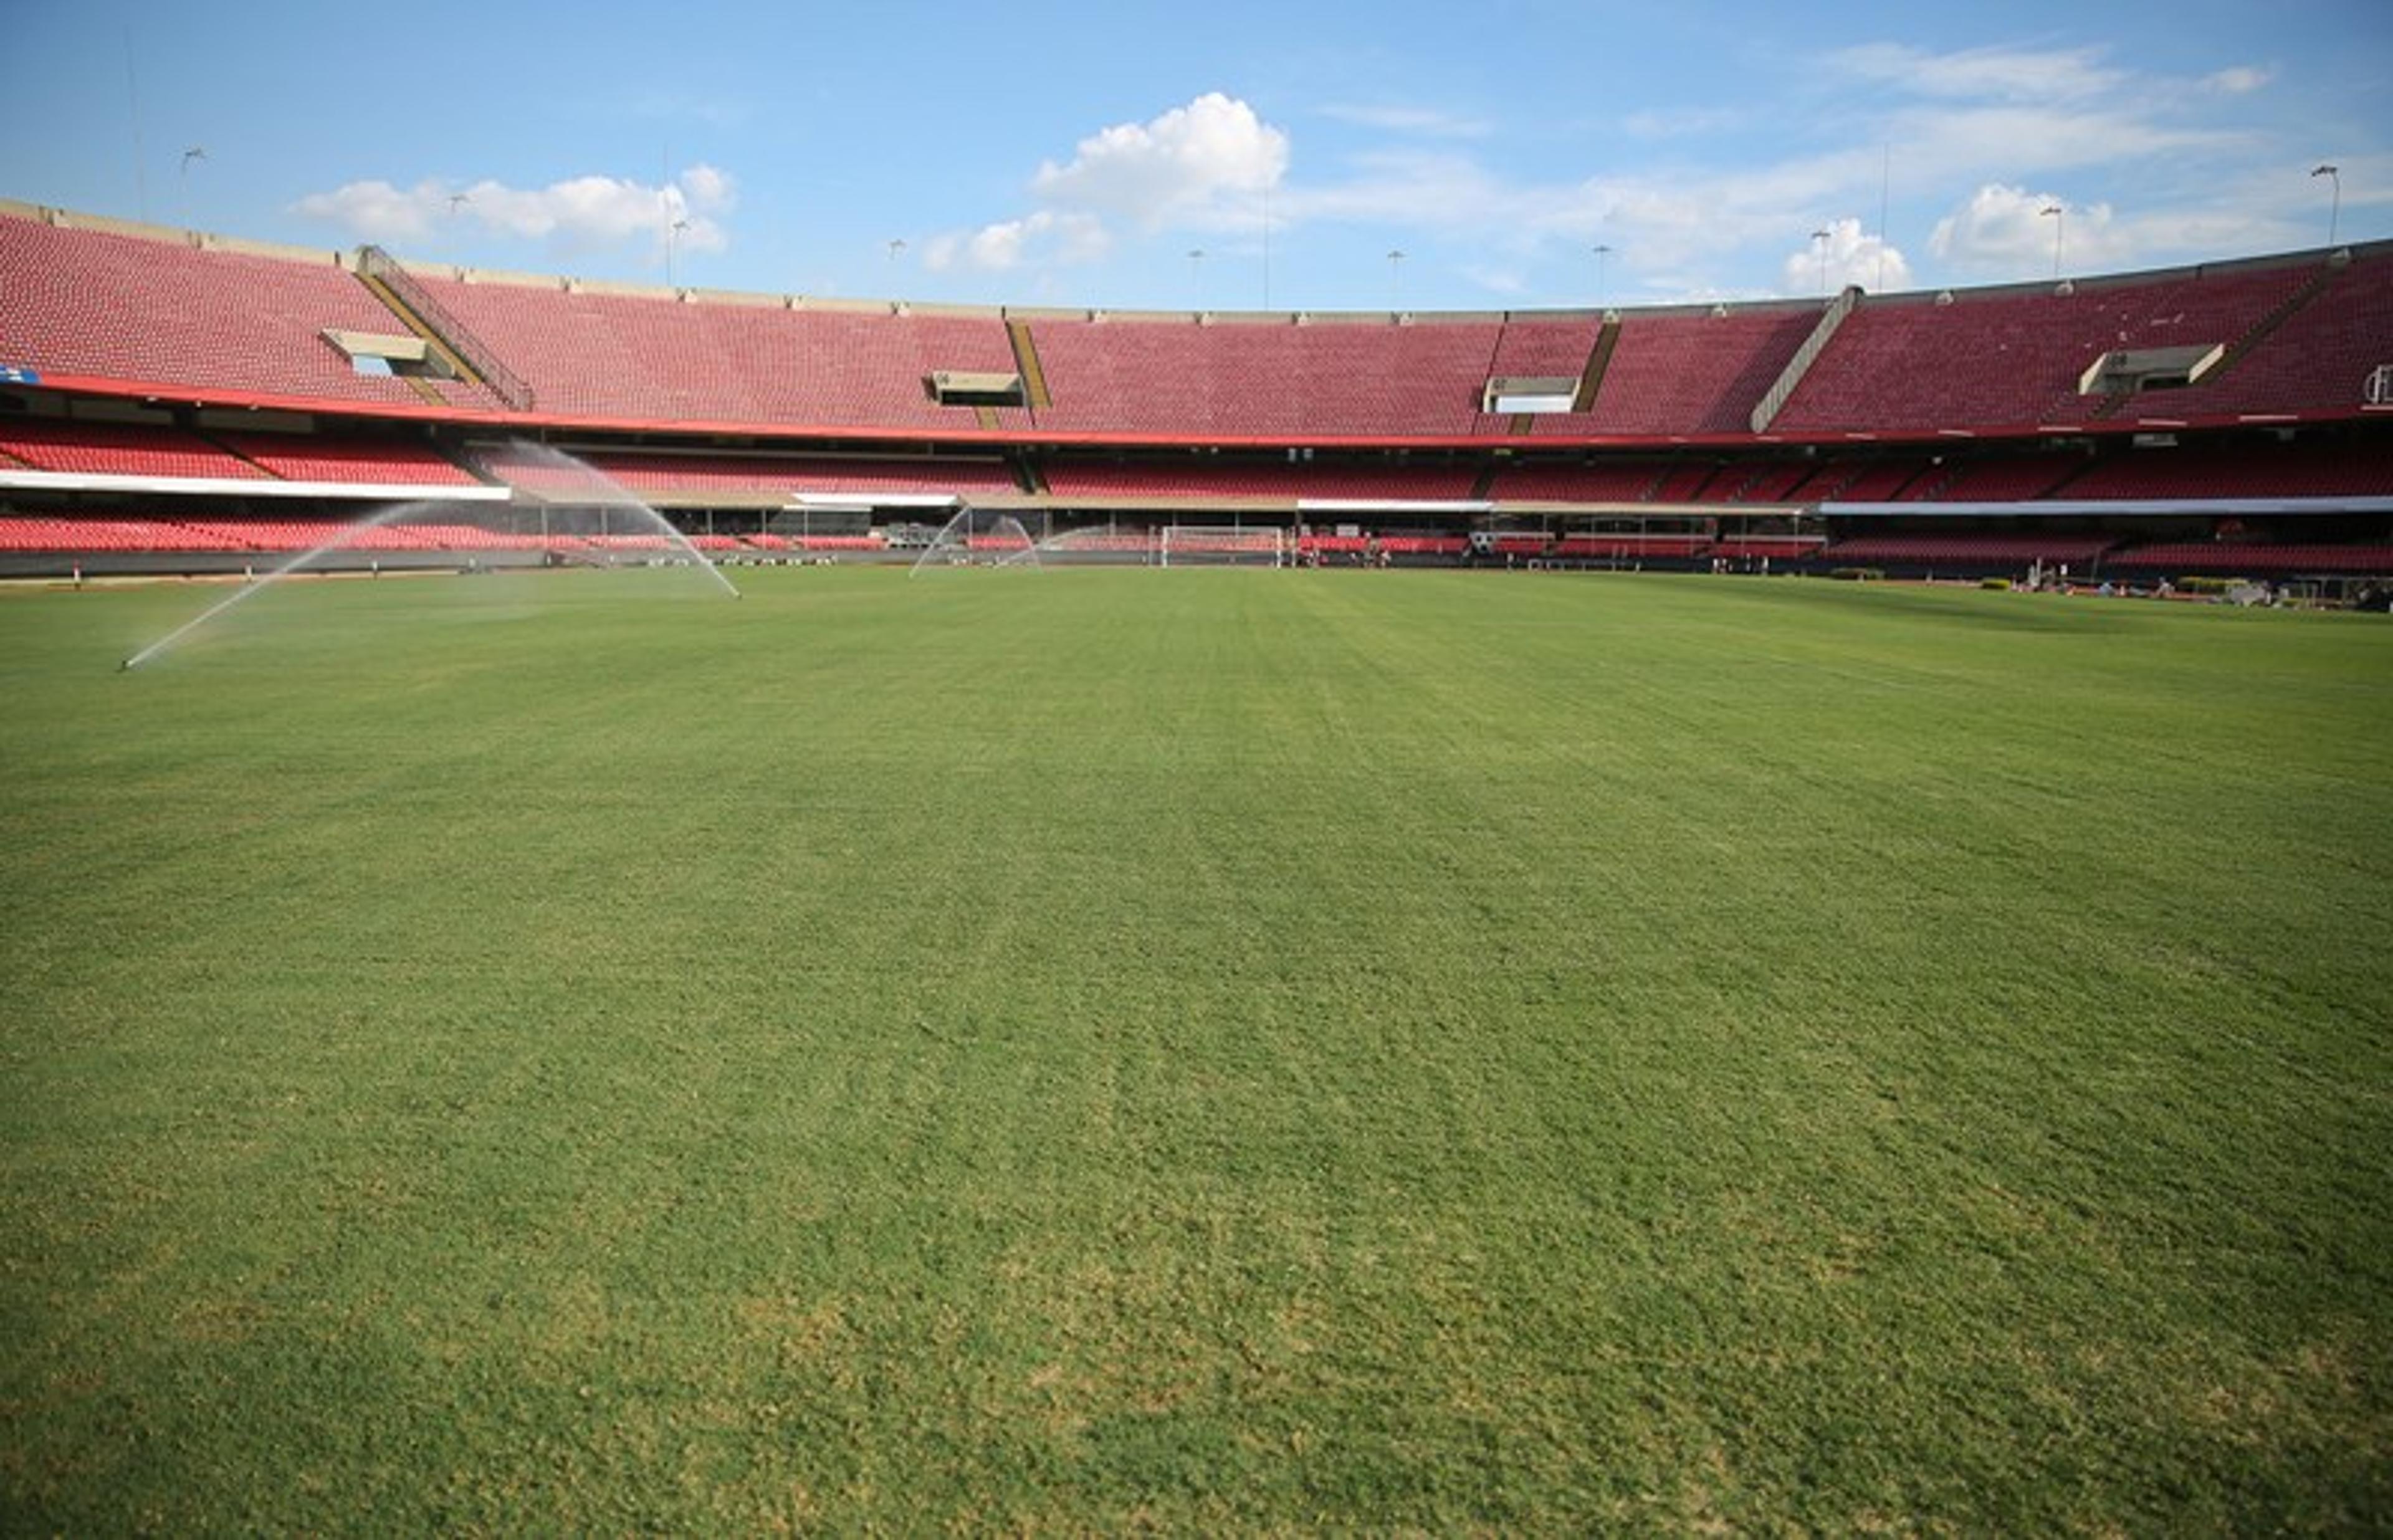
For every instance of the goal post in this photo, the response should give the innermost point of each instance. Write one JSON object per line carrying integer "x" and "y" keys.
{"x": 1221, "y": 545}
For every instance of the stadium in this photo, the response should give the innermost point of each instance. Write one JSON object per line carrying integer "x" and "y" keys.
{"x": 1689, "y": 916}
{"x": 2219, "y": 422}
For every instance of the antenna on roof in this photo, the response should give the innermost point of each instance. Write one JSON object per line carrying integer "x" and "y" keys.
{"x": 133, "y": 104}
{"x": 1885, "y": 192}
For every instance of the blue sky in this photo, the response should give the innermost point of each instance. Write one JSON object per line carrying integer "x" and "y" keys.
{"x": 1038, "y": 153}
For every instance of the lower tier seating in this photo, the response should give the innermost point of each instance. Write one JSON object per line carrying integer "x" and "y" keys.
{"x": 2256, "y": 558}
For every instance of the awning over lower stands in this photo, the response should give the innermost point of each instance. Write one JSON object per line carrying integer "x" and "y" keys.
{"x": 2091, "y": 507}
{"x": 213, "y": 485}
{"x": 842, "y": 501}
{"x": 1394, "y": 505}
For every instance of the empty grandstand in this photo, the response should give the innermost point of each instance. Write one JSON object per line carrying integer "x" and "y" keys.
{"x": 173, "y": 396}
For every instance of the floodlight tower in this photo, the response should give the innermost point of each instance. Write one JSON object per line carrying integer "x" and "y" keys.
{"x": 2059, "y": 218}
{"x": 673, "y": 234}
{"x": 1600, "y": 293}
{"x": 1820, "y": 238}
{"x": 1395, "y": 279}
{"x": 183, "y": 181}
{"x": 1196, "y": 276}
{"x": 2334, "y": 174}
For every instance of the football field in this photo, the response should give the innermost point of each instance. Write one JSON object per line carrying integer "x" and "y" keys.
{"x": 1222, "y": 1050}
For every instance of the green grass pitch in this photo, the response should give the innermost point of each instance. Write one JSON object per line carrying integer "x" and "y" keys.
{"x": 1215, "y": 1051}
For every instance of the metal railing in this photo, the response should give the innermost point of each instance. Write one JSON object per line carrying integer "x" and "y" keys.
{"x": 504, "y": 382}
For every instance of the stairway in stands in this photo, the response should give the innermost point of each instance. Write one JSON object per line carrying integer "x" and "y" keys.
{"x": 468, "y": 356}
{"x": 2253, "y": 336}
{"x": 1026, "y": 363}
{"x": 415, "y": 323}
{"x": 1599, "y": 358}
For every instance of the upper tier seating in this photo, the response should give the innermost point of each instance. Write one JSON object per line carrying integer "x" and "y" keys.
{"x": 1200, "y": 480}
{"x": 302, "y": 458}
{"x": 1548, "y": 347}
{"x": 158, "y": 314}
{"x": 1540, "y": 348}
{"x": 111, "y": 449}
{"x": 1691, "y": 372}
{"x": 1263, "y": 378}
{"x": 124, "y": 307}
{"x": 693, "y": 475}
{"x": 2013, "y": 358}
{"x": 2319, "y": 360}
{"x": 651, "y": 359}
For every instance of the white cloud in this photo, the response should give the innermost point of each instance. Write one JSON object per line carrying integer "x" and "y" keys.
{"x": 1039, "y": 236}
{"x": 1407, "y": 186}
{"x": 1680, "y": 122}
{"x": 1948, "y": 143}
{"x": 2240, "y": 79}
{"x": 580, "y": 213}
{"x": 1199, "y": 165}
{"x": 1977, "y": 74}
{"x": 2003, "y": 232}
{"x": 1428, "y": 121}
{"x": 1847, "y": 257}
{"x": 710, "y": 189}
{"x": 2000, "y": 119}
{"x": 1171, "y": 168}
{"x": 379, "y": 212}
{"x": 1508, "y": 282}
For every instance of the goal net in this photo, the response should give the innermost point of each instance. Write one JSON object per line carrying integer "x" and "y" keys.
{"x": 1220, "y": 545}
